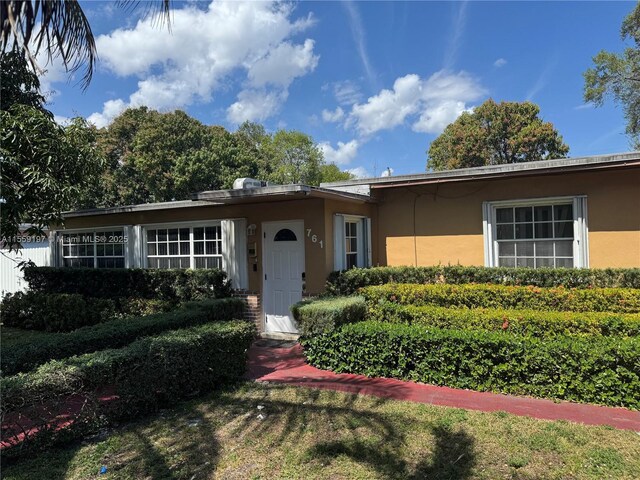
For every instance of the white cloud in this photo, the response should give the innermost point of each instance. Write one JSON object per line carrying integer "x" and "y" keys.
{"x": 360, "y": 172}
{"x": 347, "y": 92}
{"x": 388, "y": 172}
{"x": 255, "y": 105}
{"x": 62, "y": 120}
{"x": 283, "y": 64}
{"x": 459, "y": 24}
{"x": 359, "y": 37}
{"x": 501, "y": 62}
{"x": 332, "y": 117}
{"x": 342, "y": 154}
{"x": 437, "y": 100}
{"x": 205, "y": 50}
{"x": 111, "y": 109}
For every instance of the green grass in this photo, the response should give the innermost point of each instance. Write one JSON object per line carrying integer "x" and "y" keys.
{"x": 309, "y": 434}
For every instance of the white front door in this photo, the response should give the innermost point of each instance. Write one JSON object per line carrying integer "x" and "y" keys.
{"x": 283, "y": 264}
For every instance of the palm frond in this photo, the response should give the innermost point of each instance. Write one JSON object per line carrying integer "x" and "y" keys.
{"x": 60, "y": 29}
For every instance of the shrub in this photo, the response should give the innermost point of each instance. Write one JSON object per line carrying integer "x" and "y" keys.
{"x": 317, "y": 316}
{"x": 499, "y": 296}
{"x": 149, "y": 373}
{"x": 23, "y": 356}
{"x": 61, "y": 312}
{"x": 603, "y": 370}
{"x": 348, "y": 282}
{"x": 173, "y": 285}
{"x": 521, "y": 322}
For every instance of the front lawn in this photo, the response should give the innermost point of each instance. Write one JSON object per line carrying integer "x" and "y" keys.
{"x": 305, "y": 433}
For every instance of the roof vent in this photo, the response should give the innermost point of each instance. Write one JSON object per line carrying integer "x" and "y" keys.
{"x": 247, "y": 183}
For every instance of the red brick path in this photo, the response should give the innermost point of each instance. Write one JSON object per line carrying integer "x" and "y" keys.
{"x": 287, "y": 365}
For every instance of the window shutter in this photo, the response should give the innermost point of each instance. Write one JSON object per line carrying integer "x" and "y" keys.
{"x": 54, "y": 249}
{"x": 234, "y": 251}
{"x": 367, "y": 241}
{"x": 338, "y": 242}
{"x": 581, "y": 232}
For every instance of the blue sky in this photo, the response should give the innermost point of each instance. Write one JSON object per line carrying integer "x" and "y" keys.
{"x": 373, "y": 82}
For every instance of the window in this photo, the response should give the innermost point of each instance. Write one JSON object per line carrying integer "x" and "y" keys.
{"x": 536, "y": 233}
{"x": 351, "y": 242}
{"x": 285, "y": 235}
{"x": 94, "y": 249}
{"x": 185, "y": 247}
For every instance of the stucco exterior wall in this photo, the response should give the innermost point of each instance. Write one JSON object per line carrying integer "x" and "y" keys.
{"x": 311, "y": 211}
{"x": 442, "y": 223}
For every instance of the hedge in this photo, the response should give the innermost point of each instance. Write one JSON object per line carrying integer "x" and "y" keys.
{"x": 621, "y": 300}
{"x": 347, "y": 282}
{"x": 23, "y": 356}
{"x": 316, "y": 316}
{"x": 149, "y": 373}
{"x": 174, "y": 285}
{"x": 60, "y": 312}
{"x": 521, "y": 322}
{"x": 65, "y": 312}
{"x": 603, "y": 370}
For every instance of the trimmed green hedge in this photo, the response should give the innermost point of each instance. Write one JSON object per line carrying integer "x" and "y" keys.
{"x": 23, "y": 356}
{"x": 315, "y": 316}
{"x": 348, "y": 282}
{"x": 174, "y": 285}
{"x": 619, "y": 300}
{"x": 521, "y": 322}
{"x": 60, "y": 312}
{"x": 149, "y": 373}
{"x": 604, "y": 370}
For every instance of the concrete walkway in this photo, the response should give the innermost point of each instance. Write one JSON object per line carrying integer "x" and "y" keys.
{"x": 283, "y": 362}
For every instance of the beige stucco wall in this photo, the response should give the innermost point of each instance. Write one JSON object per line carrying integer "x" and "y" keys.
{"x": 317, "y": 215}
{"x": 442, "y": 224}
{"x": 311, "y": 211}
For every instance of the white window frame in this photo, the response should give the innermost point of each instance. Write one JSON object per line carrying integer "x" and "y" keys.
{"x": 192, "y": 256}
{"x": 57, "y": 238}
{"x": 580, "y": 226}
{"x": 363, "y": 233}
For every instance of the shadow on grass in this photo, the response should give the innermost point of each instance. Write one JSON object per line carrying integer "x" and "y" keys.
{"x": 316, "y": 426}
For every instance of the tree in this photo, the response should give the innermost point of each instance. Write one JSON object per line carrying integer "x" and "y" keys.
{"x": 329, "y": 172}
{"x": 156, "y": 157}
{"x": 494, "y": 134}
{"x": 293, "y": 157}
{"x": 45, "y": 168}
{"x": 618, "y": 76}
{"x": 59, "y": 27}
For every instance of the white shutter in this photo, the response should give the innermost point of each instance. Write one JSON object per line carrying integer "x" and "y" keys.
{"x": 338, "y": 242}
{"x": 581, "y": 233}
{"x": 234, "y": 251}
{"x": 367, "y": 241}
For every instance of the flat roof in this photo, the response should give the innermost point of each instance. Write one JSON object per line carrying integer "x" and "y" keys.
{"x": 136, "y": 208}
{"x": 510, "y": 169}
{"x": 277, "y": 193}
{"x": 230, "y": 197}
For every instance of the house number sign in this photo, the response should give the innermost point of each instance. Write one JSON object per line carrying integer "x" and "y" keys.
{"x": 314, "y": 238}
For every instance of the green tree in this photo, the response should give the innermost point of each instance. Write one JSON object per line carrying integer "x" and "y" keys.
{"x": 329, "y": 172}
{"x": 618, "y": 76}
{"x": 293, "y": 157}
{"x": 156, "y": 157}
{"x": 494, "y": 134}
{"x": 45, "y": 168}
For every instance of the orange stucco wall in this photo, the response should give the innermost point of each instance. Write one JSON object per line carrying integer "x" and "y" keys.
{"x": 442, "y": 224}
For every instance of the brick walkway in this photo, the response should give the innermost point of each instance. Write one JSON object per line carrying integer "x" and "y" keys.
{"x": 281, "y": 362}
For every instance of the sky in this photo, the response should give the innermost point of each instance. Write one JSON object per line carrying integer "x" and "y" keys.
{"x": 372, "y": 82}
